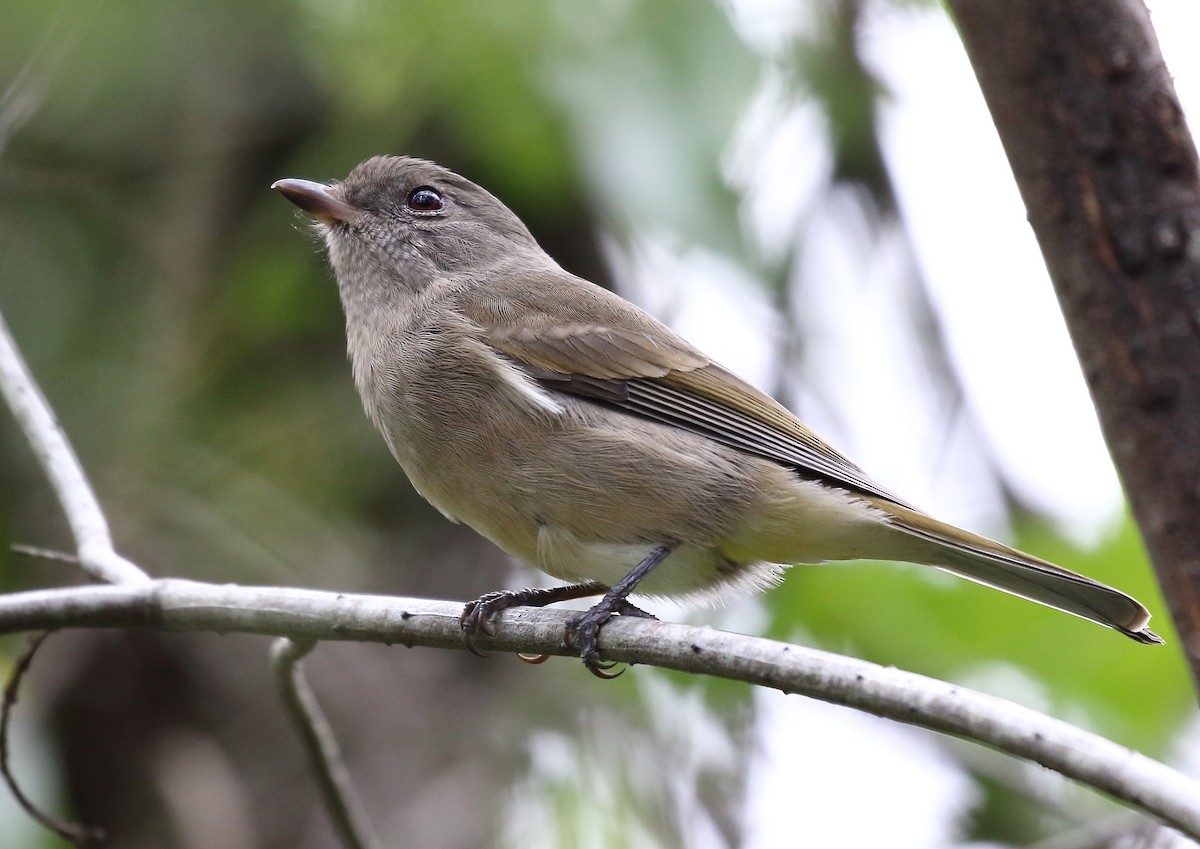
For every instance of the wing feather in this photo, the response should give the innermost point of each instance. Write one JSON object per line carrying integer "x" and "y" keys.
{"x": 642, "y": 367}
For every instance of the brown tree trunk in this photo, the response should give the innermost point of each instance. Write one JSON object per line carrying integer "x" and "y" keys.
{"x": 1088, "y": 116}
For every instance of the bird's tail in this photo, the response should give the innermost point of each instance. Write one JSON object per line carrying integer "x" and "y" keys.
{"x": 996, "y": 565}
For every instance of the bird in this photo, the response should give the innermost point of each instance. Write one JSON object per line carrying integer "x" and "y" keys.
{"x": 586, "y": 438}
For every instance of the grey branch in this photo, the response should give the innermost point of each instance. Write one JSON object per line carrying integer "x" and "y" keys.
{"x": 99, "y": 559}
{"x": 324, "y": 755}
{"x": 178, "y": 605}
{"x": 88, "y": 525}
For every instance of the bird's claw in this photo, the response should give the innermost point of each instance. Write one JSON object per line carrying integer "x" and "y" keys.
{"x": 477, "y": 615}
{"x": 583, "y": 635}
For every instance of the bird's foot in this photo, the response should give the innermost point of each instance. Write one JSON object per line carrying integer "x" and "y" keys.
{"x": 583, "y": 633}
{"x": 584, "y": 630}
{"x": 477, "y": 615}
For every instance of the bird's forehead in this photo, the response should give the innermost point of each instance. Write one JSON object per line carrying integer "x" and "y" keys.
{"x": 394, "y": 171}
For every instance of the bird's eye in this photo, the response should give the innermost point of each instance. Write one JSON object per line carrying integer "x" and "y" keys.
{"x": 424, "y": 199}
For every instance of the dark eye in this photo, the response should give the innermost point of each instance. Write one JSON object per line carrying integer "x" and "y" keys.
{"x": 424, "y": 199}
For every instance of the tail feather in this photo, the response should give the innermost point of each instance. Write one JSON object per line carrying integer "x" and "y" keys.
{"x": 1001, "y": 567}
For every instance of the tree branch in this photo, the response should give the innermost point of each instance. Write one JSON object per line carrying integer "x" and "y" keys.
{"x": 178, "y": 605}
{"x": 76, "y": 834}
{"x": 324, "y": 756}
{"x": 88, "y": 525}
{"x": 1095, "y": 135}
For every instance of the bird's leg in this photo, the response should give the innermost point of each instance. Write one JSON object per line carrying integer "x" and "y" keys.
{"x": 582, "y": 632}
{"x": 627, "y": 608}
{"x": 477, "y": 615}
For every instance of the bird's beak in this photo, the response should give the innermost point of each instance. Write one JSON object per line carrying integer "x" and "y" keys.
{"x": 317, "y": 199}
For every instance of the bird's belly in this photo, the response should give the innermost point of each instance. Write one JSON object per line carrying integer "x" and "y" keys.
{"x": 696, "y": 572}
{"x": 586, "y": 497}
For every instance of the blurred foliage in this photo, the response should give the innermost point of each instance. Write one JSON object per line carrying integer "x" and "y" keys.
{"x": 182, "y": 322}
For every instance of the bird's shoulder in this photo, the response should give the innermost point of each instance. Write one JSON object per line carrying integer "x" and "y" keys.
{"x": 554, "y": 321}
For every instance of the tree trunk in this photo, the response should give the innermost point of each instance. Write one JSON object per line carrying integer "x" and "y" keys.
{"x": 1093, "y": 130}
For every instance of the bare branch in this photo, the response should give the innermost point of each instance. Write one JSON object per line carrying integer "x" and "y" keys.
{"x": 88, "y": 525}
{"x": 78, "y": 835}
{"x": 344, "y": 806}
{"x": 179, "y": 605}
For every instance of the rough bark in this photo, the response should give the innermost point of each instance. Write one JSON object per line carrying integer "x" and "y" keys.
{"x": 1088, "y": 116}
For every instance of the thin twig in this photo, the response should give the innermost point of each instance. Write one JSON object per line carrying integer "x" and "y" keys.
{"x": 88, "y": 525}
{"x": 1121, "y": 829}
{"x": 26, "y": 89}
{"x": 341, "y": 801}
{"x": 44, "y": 553}
{"x": 76, "y": 833}
{"x": 178, "y": 605}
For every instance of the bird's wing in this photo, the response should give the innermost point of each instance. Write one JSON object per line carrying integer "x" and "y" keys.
{"x": 621, "y": 357}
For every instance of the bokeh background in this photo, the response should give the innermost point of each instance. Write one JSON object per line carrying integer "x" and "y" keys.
{"x": 811, "y": 191}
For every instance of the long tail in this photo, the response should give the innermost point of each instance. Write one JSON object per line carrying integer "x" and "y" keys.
{"x": 996, "y": 565}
